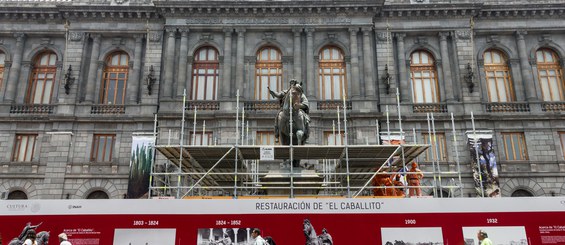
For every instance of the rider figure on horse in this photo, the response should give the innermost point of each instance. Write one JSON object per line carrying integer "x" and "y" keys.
{"x": 303, "y": 106}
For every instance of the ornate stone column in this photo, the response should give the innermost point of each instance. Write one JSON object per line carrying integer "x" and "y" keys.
{"x": 227, "y": 86}
{"x": 240, "y": 62}
{"x": 235, "y": 231}
{"x": 168, "y": 82}
{"x": 93, "y": 69}
{"x": 181, "y": 79}
{"x": 446, "y": 65}
{"x": 310, "y": 81}
{"x": 370, "y": 91}
{"x": 355, "y": 83}
{"x": 14, "y": 74}
{"x": 298, "y": 54}
{"x": 134, "y": 81}
{"x": 405, "y": 88}
{"x": 527, "y": 77}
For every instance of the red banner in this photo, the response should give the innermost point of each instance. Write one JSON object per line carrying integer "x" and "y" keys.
{"x": 292, "y": 221}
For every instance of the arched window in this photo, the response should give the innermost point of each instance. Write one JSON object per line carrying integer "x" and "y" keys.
{"x": 42, "y": 80}
{"x": 2, "y": 62}
{"x": 268, "y": 72}
{"x": 522, "y": 193}
{"x": 550, "y": 75}
{"x": 205, "y": 74}
{"x": 17, "y": 195}
{"x": 97, "y": 195}
{"x": 423, "y": 74}
{"x": 115, "y": 78}
{"x": 499, "y": 82}
{"x": 332, "y": 83}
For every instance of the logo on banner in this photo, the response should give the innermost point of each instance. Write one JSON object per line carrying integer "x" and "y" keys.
{"x": 74, "y": 206}
{"x": 16, "y": 207}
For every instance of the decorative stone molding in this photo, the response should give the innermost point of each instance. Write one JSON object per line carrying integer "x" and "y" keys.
{"x": 545, "y": 38}
{"x": 26, "y": 64}
{"x": 443, "y": 35}
{"x": 19, "y": 36}
{"x": 120, "y": 2}
{"x": 297, "y": 30}
{"x": 381, "y": 36}
{"x": 520, "y": 34}
{"x": 332, "y": 37}
{"x": 421, "y": 40}
{"x": 206, "y": 37}
{"x": 118, "y": 41}
{"x": 493, "y": 39}
{"x": 75, "y": 36}
{"x": 184, "y": 30}
{"x": 309, "y": 31}
{"x": 353, "y": 30}
{"x": 268, "y": 36}
{"x": 287, "y": 59}
{"x": 400, "y": 36}
{"x": 154, "y": 36}
{"x": 250, "y": 59}
{"x": 463, "y": 34}
{"x": 227, "y": 31}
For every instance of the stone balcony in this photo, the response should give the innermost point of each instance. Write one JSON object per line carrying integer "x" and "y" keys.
{"x": 31, "y": 109}
{"x": 507, "y": 107}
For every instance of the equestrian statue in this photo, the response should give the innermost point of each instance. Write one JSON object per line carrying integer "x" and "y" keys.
{"x": 293, "y": 102}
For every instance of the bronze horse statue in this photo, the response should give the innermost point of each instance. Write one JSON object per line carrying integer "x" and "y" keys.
{"x": 295, "y": 105}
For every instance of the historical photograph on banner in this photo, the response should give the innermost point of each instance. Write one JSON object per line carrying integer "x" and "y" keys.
{"x": 485, "y": 172}
{"x": 144, "y": 236}
{"x": 417, "y": 235}
{"x": 141, "y": 159}
{"x": 495, "y": 235}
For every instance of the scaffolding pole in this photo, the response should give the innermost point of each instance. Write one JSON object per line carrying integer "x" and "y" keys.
{"x": 457, "y": 154}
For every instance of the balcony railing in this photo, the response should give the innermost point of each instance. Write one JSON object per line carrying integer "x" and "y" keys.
{"x": 553, "y": 106}
{"x": 428, "y": 108}
{"x": 108, "y": 109}
{"x": 262, "y": 105}
{"x": 508, "y": 107}
{"x": 333, "y": 104}
{"x": 203, "y": 105}
{"x": 31, "y": 109}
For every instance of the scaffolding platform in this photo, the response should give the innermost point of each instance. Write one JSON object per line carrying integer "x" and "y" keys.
{"x": 218, "y": 166}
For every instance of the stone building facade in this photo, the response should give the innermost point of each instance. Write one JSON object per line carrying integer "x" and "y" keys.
{"x": 80, "y": 78}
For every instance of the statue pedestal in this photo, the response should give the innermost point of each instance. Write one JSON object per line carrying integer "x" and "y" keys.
{"x": 301, "y": 178}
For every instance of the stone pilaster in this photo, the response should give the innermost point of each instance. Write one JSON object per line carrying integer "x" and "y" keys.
{"x": 402, "y": 73}
{"x": 446, "y": 65}
{"x": 240, "y": 62}
{"x": 14, "y": 74}
{"x": 134, "y": 80}
{"x": 370, "y": 92}
{"x": 525, "y": 68}
{"x": 93, "y": 69}
{"x": 310, "y": 81}
{"x": 168, "y": 82}
{"x": 226, "y": 88}
{"x": 355, "y": 82}
{"x": 297, "y": 53}
{"x": 183, "y": 57}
